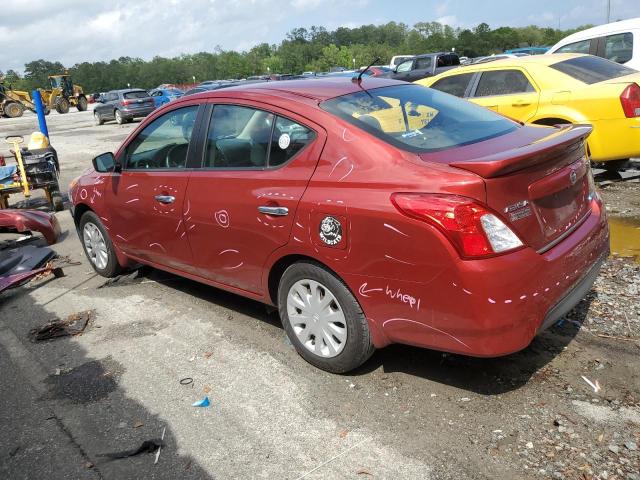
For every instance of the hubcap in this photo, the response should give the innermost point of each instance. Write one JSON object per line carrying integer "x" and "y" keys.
{"x": 317, "y": 318}
{"x": 95, "y": 245}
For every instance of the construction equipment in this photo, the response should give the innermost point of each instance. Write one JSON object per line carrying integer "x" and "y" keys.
{"x": 13, "y": 103}
{"x": 64, "y": 94}
{"x": 36, "y": 167}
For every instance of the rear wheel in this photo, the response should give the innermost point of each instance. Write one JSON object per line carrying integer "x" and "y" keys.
{"x": 13, "y": 110}
{"x": 119, "y": 118}
{"x": 62, "y": 105}
{"x": 81, "y": 104}
{"x": 323, "y": 319}
{"x": 97, "y": 246}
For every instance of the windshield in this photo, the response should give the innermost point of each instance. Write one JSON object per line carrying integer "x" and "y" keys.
{"x": 590, "y": 69}
{"x": 136, "y": 94}
{"x": 418, "y": 119}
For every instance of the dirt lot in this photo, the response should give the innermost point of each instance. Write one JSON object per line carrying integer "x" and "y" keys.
{"x": 407, "y": 413}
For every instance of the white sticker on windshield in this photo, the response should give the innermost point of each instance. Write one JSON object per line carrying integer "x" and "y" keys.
{"x": 284, "y": 141}
{"x": 411, "y": 134}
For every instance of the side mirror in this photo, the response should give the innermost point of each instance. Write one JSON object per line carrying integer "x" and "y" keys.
{"x": 105, "y": 162}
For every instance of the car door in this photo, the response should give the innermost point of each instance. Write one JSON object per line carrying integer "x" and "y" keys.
{"x": 146, "y": 198}
{"x": 403, "y": 70}
{"x": 508, "y": 91}
{"x": 241, "y": 204}
{"x": 105, "y": 109}
{"x": 422, "y": 67}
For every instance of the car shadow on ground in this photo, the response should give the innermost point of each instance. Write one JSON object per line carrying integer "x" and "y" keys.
{"x": 85, "y": 400}
{"x": 486, "y": 376}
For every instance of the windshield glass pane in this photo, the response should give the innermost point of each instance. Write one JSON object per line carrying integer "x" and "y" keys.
{"x": 418, "y": 119}
{"x": 136, "y": 94}
{"x": 590, "y": 69}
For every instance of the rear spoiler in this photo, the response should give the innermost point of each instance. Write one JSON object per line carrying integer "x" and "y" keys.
{"x": 561, "y": 141}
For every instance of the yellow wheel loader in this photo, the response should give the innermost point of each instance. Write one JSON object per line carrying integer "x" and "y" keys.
{"x": 13, "y": 103}
{"x": 64, "y": 94}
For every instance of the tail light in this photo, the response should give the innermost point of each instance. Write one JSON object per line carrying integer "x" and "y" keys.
{"x": 472, "y": 228}
{"x": 630, "y": 100}
{"x": 126, "y": 102}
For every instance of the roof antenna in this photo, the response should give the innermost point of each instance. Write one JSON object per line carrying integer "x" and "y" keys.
{"x": 359, "y": 77}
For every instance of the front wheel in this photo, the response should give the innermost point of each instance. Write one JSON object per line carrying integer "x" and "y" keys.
{"x": 97, "y": 119}
{"x": 97, "y": 246}
{"x": 323, "y": 319}
{"x": 13, "y": 110}
{"x": 62, "y": 105}
{"x": 81, "y": 104}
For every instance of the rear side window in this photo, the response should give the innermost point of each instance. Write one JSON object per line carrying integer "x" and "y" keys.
{"x": 590, "y": 69}
{"x": 137, "y": 94}
{"x": 287, "y": 140}
{"x": 454, "y": 85}
{"x": 243, "y": 137}
{"x": 577, "y": 47}
{"x": 503, "y": 82}
{"x": 619, "y": 48}
{"x": 418, "y": 119}
{"x": 423, "y": 63}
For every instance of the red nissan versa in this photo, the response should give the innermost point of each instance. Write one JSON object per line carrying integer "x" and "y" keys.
{"x": 368, "y": 213}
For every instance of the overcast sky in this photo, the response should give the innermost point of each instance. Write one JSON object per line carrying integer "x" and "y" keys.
{"x": 73, "y": 31}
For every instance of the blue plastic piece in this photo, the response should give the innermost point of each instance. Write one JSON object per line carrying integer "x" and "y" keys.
{"x": 37, "y": 100}
{"x": 202, "y": 403}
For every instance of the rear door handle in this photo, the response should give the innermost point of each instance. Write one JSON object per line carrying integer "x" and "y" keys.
{"x": 521, "y": 104}
{"x": 275, "y": 211}
{"x": 166, "y": 199}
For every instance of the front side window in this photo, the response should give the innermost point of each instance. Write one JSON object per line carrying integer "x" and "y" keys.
{"x": 404, "y": 66}
{"x": 590, "y": 69}
{"x": 164, "y": 142}
{"x": 418, "y": 119}
{"x": 503, "y": 82}
{"x": 244, "y": 137}
{"x": 619, "y": 48}
{"x": 577, "y": 47}
{"x": 454, "y": 85}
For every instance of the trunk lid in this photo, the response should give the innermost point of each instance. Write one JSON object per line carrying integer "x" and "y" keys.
{"x": 541, "y": 188}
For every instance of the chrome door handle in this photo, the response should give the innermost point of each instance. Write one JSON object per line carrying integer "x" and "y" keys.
{"x": 165, "y": 198}
{"x": 275, "y": 211}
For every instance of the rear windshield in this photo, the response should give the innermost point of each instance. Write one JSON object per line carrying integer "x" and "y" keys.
{"x": 418, "y": 119}
{"x": 136, "y": 94}
{"x": 590, "y": 69}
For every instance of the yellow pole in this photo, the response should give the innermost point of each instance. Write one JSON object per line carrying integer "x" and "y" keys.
{"x": 23, "y": 173}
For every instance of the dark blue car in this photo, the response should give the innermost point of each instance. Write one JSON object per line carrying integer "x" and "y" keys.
{"x": 164, "y": 95}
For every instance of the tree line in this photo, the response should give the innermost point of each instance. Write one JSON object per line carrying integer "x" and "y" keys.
{"x": 313, "y": 49}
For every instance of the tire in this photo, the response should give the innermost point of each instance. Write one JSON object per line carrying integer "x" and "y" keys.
{"x": 57, "y": 205}
{"x": 62, "y": 105}
{"x": 47, "y": 110}
{"x": 13, "y": 109}
{"x": 316, "y": 281}
{"x": 616, "y": 165}
{"x": 81, "y": 104}
{"x": 97, "y": 119}
{"x": 119, "y": 118}
{"x": 109, "y": 268}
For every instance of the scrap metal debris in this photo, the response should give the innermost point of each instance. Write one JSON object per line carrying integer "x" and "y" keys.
{"x": 596, "y": 386}
{"x": 72, "y": 325}
{"x": 126, "y": 279}
{"x": 148, "y": 446}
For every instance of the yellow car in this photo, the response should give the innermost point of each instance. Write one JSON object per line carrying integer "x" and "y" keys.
{"x": 554, "y": 89}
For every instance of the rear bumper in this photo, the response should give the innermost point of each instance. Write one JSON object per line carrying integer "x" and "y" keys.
{"x": 615, "y": 139}
{"x": 490, "y": 307}
{"x": 136, "y": 112}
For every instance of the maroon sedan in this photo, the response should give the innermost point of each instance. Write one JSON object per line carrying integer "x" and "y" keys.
{"x": 369, "y": 213}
